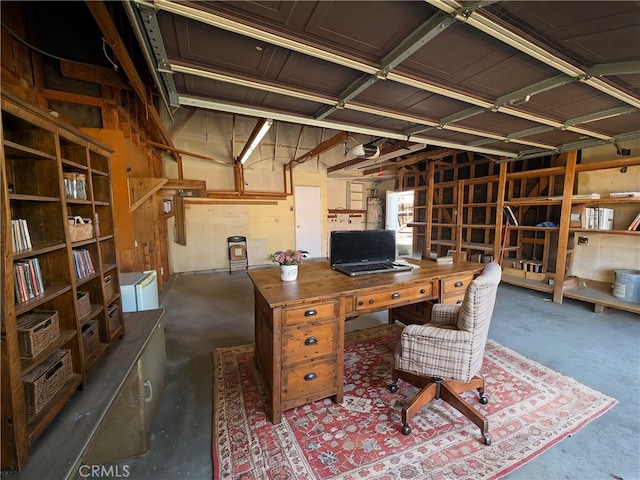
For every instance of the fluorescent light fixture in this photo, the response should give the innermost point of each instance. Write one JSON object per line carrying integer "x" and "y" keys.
{"x": 257, "y": 134}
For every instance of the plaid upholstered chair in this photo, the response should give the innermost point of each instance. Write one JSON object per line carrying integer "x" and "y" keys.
{"x": 443, "y": 356}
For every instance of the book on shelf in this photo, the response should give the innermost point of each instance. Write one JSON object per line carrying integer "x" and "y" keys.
{"x": 510, "y": 217}
{"x": 585, "y": 196}
{"x": 28, "y": 282}
{"x": 635, "y": 224}
{"x": 592, "y": 218}
{"x": 20, "y": 237}
{"x": 83, "y": 263}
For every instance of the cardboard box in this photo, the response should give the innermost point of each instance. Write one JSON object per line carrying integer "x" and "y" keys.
{"x": 578, "y": 217}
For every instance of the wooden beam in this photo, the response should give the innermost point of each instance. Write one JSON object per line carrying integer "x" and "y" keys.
{"x": 185, "y": 152}
{"x": 104, "y": 21}
{"x": 92, "y": 73}
{"x": 75, "y": 98}
{"x": 328, "y": 144}
{"x": 209, "y": 201}
{"x": 178, "y": 126}
{"x": 252, "y": 195}
{"x": 432, "y": 155}
{"x": 142, "y": 188}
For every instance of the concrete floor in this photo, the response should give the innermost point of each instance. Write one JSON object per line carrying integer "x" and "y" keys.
{"x": 206, "y": 311}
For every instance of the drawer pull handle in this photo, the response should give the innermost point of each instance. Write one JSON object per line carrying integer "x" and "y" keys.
{"x": 311, "y": 341}
{"x": 394, "y": 296}
{"x": 310, "y": 313}
{"x": 422, "y": 290}
{"x": 149, "y": 389}
{"x": 360, "y": 302}
{"x": 310, "y": 376}
{"x": 458, "y": 284}
{"x": 371, "y": 300}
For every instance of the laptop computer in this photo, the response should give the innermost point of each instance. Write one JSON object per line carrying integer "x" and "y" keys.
{"x": 364, "y": 252}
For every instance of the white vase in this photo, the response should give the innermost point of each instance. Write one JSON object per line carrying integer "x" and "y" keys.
{"x": 288, "y": 273}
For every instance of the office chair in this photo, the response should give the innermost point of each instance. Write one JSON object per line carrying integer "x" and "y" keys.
{"x": 443, "y": 356}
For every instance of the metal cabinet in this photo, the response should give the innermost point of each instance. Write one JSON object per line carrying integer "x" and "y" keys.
{"x": 128, "y": 424}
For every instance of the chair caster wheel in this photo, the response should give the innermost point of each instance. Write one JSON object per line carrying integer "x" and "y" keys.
{"x": 393, "y": 388}
{"x": 405, "y": 430}
{"x": 484, "y": 400}
{"x": 487, "y": 439}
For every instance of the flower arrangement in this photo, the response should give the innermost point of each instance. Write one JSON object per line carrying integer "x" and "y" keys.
{"x": 288, "y": 257}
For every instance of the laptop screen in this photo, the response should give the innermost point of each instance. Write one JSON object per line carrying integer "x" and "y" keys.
{"x": 358, "y": 246}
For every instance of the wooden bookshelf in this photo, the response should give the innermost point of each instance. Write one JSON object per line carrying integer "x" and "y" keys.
{"x": 40, "y": 157}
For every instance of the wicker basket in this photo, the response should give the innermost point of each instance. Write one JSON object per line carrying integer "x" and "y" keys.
{"x": 108, "y": 286}
{"x": 114, "y": 318}
{"x": 44, "y": 381}
{"x": 36, "y": 331}
{"x": 84, "y": 304}
{"x": 90, "y": 338}
{"x": 80, "y": 229}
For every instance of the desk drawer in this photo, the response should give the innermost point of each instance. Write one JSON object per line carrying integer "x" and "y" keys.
{"x": 310, "y": 312}
{"x": 454, "y": 288}
{"x": 309, "y": 341}
{"x": 310, "y": 381}
{"x": 389, "y": 297}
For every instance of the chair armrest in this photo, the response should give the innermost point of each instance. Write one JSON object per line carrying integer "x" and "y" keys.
{"x": 427, "y": 331}
{"x": 445, "y": 314}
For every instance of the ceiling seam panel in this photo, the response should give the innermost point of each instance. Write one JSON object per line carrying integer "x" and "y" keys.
{"x": 257, "y": 34}
{"x": 506, "y": 36}
{"x": 416, "y": 40}
{"x": 267, "y": 87}
{"x": 596, "y": 116}
{"x": 252, "y": 112}
{"x": 351, "y": 106}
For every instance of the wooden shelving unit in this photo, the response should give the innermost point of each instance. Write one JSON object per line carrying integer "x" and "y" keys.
{"x": 459, "y": 207}
{"x": 39, "y": 155}
{"x": 593, "y": 290}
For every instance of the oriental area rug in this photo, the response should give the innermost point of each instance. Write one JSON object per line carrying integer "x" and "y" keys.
{"x": 530, "y": 409}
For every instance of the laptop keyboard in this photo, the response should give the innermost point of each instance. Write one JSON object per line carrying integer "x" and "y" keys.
{"x": 369, "y": 267}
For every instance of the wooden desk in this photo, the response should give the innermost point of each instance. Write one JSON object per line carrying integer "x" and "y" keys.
{"x": 299, "y": 325}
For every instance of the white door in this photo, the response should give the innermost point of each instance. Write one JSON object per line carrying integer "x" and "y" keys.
{"x": 308, "y": 212}
{"x": 391, "y": 213}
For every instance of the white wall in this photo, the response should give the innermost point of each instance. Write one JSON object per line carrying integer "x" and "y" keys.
{"x": 268, "y": 226}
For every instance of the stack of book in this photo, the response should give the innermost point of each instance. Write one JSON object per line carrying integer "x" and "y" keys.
{"x": 27, "y": 278}
{"x": 20, "y": 238}
{"x": 83, "y": 263}
{"x": 592, "y": 218}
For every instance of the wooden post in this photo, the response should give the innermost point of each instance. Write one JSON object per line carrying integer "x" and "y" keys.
{"x": 565, "y": 217}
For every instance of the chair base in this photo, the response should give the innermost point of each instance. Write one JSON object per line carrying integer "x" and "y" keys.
{"x": 448, "y": 390}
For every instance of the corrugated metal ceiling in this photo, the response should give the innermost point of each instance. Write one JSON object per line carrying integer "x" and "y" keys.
{"x": 506, "y": 79}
